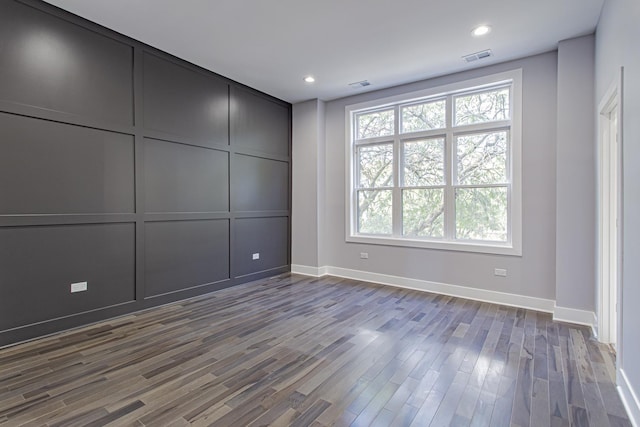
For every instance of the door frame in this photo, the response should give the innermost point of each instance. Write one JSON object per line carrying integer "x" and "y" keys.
{"x": 610, "y": 253}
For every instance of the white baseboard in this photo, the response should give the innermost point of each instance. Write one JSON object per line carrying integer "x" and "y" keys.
{"x": 562, "y": 314}
{"x": 305, "y": 270}
{"x": 579, "y": 317}
{"x": 483, "y": 295}
{"x": 629, "y": 398}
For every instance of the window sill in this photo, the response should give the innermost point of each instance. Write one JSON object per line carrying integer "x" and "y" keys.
{"x": 485, "y": 248}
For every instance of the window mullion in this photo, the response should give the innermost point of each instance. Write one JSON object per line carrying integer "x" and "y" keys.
{"x": 509, "y": 183}
{"x": 355, "y": 183}
{"x": 397, "y": 167}
{"x": 449, "y": 192}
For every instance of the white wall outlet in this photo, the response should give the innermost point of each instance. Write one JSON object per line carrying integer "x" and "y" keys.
{"x": 79, "y": 287}
{"x": 256, "y": 256}
{"x": 364, "y": 255}
{"x": 500, "y": 272}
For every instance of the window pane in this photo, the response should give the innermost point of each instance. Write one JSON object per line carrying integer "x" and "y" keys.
{"x": 482, "y": 107}
{"x": 423, "y": 213}
{"x": 374, "y": 212}
{"x": 379, "y": 123}
{"x": 426, "y": 116}
{"x": 375, "y": 163}
{"x": 423, "y": 162}
{"x": 481, "y": 213}
{"x": 482, "y": 158}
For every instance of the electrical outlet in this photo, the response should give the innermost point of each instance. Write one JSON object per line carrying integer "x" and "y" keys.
{"x": 500, "y": 272}
{"x": 256, "y": 256}
{"x": 79, "y": 287}
{"x": 364, "y": 255}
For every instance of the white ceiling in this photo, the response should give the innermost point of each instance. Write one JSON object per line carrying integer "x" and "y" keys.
{"x": 272, "y": 45}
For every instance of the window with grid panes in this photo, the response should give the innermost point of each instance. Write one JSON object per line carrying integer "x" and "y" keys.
{"x": 439, "y": 170}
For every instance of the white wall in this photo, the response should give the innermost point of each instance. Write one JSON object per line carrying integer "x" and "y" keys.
{"x": 576, "y": 176}
{"x": 531, "y": 275}
{"x": 617, "y": 45}
{"x": 556, "y": 271}
{"x": 307, "y": 188}
{"x": 559, "y": 187}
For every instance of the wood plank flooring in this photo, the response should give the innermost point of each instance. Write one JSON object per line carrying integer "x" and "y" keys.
{"x": 297, "y": 351}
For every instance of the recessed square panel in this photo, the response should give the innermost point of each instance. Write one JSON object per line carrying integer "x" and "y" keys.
{"x": 185, "y": 254}
{"x": 39, "y": 265}
{"x": 260, "y": 244}
{"x": 185, "y": 178}
{"x": 184, "y": 102}
{"x": 49, "y": 63}
{"x": 54, "y": 168}
{"x": 260, "y": 184}
{"x": 259, "y": 123}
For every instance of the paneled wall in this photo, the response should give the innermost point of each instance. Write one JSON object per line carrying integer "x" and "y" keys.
{"x": 145, "y": 176}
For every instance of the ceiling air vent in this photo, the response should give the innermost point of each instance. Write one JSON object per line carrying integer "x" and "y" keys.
{"x": 478, "y": 55}
{"x": 362, "y": 83}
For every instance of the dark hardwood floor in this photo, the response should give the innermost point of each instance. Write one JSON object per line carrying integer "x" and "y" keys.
{"x": 293, "y": 350}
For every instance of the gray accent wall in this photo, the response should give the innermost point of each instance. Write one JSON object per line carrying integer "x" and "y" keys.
{"x": 617, "y": 46}
{"x": 145, "y": 176}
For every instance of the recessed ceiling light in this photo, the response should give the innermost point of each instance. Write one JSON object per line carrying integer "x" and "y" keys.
{"x": 309, "y": 79}
{"x": 481, "y": 30}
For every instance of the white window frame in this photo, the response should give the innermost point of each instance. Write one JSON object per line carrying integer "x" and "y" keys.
{"x": 513, "y": 245}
